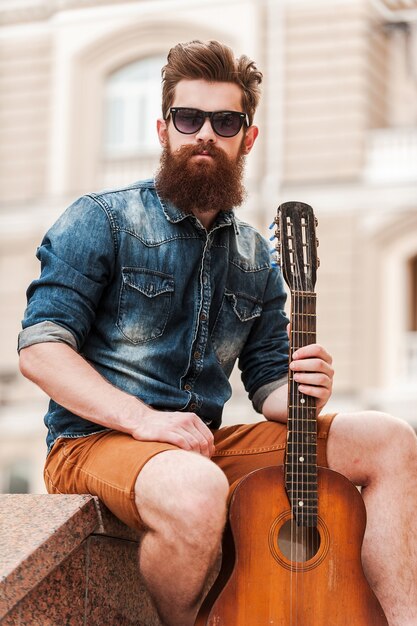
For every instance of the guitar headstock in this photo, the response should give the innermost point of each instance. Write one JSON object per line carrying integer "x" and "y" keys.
{"x": 297, "y": 245}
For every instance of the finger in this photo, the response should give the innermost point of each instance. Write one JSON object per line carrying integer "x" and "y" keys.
{"x": 320, "y": 393}
{"x": 196, "y": 441}
{"x": 313, "y": 350}
{"x": 208, "y": 438}
{"x": 173, "y": 437}
{"x": 316, "y": 379}
{"x": 181, "y": 437}
{"x": 312, "y": 365}
{"x": 199, "y": 435}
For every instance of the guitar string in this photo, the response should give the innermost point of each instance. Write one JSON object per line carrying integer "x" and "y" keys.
{"x": 297, "y": 429}
{"x": 288, "y": 228}
{"x": 289, "y": 231}
{"x": 306, "y": 429}
{"x": 309, "y": 321}
{"x": 300, "y": 421}
{"x": 301, "y": 426}
{"x": 307, "y": 334}
{"x": 296, "y": 447}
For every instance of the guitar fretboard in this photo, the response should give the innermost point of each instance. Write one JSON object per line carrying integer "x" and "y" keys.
{"x": 301, "y": 452}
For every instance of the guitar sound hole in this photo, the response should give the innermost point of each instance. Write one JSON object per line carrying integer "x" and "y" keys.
{"x": 298, "y": 543}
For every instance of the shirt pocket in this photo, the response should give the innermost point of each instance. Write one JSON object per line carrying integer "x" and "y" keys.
{"x": 233, "y": 324}
{"x": 144, "y": 303}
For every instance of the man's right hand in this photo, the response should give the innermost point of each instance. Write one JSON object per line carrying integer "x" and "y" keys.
{"x": 185, "y": 430}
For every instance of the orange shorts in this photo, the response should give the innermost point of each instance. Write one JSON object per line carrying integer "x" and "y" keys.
{"x": 107, "y": 464}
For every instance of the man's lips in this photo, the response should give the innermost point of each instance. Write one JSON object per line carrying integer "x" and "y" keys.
{"x": 204, "y": 155}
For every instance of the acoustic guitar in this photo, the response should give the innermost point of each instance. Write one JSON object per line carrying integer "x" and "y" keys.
{"x": 292, "y": 544}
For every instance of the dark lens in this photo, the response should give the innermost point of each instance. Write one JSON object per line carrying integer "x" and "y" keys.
{"x": 188, "y": 121}
{"x": 227, "y": 123}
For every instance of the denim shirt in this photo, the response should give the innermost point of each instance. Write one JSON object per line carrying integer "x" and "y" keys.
{"x": 160, "y": 307}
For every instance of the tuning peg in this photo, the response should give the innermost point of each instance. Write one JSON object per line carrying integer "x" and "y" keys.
{"x": 316, "y": 222}
{"x": 317, "y": 242}
{"x": 278, "y": 233}
{"x": 318, "y": 263}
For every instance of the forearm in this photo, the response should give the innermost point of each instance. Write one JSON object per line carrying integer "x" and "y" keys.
{"x": 275, "y": 407}
{"x": 72, "y": 382}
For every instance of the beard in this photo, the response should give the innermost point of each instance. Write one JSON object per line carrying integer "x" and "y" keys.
{"x": 203, "y": 185}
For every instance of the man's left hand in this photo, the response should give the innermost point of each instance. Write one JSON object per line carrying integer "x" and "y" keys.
{"x": 312, "y": 367}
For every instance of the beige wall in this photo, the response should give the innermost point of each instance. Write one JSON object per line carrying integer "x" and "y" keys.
{"x": 334, "y": 89}
{"x": 25, "y": 83}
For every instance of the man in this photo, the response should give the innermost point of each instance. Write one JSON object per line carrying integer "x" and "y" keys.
{"x": 146, "y": 298}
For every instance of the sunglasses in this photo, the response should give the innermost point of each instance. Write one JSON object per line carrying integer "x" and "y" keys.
{"x": 224, "y": 123}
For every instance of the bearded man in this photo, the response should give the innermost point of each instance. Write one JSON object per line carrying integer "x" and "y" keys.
{"x": 147, "y": 297}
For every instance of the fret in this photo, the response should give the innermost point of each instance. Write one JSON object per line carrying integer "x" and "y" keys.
{"x": 309, "y": 499}
{"x": 299, "y": 426}
{"x": 305, "y": 509}
{"x": 308, "y": 466}
{"x": 301, "y": 495}
{"x": 307, "y": 492}
{"x": 295, "y": 431}
{"x": 309, "y": 458}
{"x": 310, "y": 294}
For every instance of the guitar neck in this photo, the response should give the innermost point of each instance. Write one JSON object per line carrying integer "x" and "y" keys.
{"x": 301, "y": 453}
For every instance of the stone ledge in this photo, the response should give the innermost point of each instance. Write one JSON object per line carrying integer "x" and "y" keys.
{"x": 67, "y": 559}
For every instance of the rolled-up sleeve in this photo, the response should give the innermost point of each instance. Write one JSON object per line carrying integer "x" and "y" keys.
{"x": 77, "y": 260}
{"x": 264, "y": 359}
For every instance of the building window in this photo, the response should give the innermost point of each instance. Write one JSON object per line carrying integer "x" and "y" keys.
{"x": 132, "y": 106}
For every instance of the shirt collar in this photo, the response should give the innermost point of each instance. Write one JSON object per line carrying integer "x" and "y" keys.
{"x": 175, "y": 215}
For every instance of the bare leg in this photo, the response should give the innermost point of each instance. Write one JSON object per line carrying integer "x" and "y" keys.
{"x": 181, "y": 497}
{"x": 379, "y": 452}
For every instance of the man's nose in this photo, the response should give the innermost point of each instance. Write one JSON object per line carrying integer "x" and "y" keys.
{"x": 206, "y": 132}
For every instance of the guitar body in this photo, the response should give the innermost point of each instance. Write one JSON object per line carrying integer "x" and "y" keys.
{"x": 266, "y": 585}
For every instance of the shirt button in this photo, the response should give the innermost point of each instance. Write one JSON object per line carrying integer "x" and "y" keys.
{"x": 193, "y": 406}
{"x": 197, "y": 355}
{"x": 203, "y": 317}
{"x": 187, "y": 387}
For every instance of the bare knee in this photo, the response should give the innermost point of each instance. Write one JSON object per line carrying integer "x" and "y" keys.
{"x": 182, "y": 493}
{"x": 395, "y": 442}
{"x": 369, "y": 445}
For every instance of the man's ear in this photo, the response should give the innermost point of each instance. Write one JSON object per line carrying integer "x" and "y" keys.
{"x": 249, "y": 139}
{"x": 162, "y": 130}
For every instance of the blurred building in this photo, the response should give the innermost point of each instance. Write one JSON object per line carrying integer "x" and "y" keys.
{"x": 79, "y": 96}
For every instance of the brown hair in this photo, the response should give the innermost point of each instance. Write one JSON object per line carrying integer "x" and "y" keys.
{"x": 214, "y": 62}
